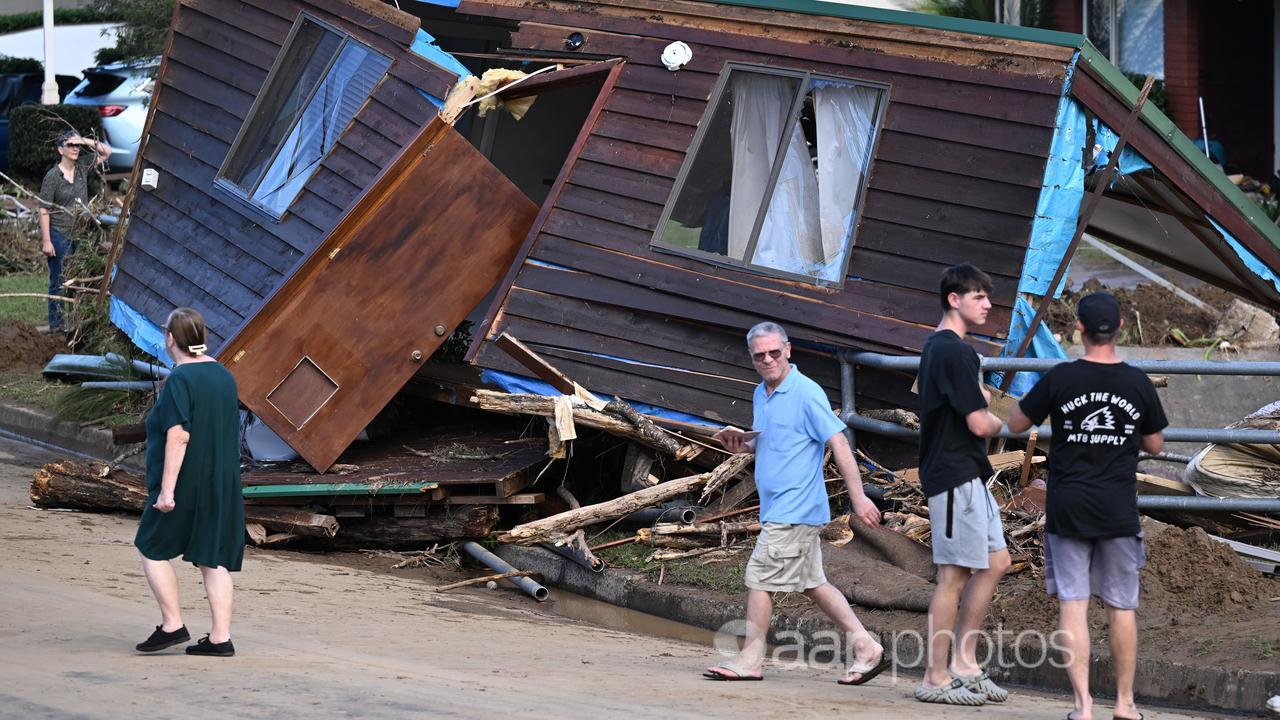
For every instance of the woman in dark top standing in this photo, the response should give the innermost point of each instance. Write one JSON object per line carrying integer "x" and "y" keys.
{"x": 63, "y": 193}
{"x": 195, "y": 506}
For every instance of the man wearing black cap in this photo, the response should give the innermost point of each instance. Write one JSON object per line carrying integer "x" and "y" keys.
{"x": 1103, "y": 412}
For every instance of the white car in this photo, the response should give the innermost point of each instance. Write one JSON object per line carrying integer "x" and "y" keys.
{"x": 121, "y": 92}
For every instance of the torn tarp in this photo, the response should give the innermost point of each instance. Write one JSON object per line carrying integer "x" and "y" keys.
{"x": 424, "y": 45}
{"x": 1043, "y": 345}
{"x": 144, "y": 333}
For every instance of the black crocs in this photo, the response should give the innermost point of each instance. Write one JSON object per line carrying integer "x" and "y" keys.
{"x": 160, "y": 639}
{"x": 204, "y": 647}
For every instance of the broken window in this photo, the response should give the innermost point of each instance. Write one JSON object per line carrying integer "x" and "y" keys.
{"x": 774, "y": 178}
{"x": 319, "y": 82}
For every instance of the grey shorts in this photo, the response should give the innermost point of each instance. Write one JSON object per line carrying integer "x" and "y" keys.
{"x": 1074, "y": 569}
{"x": 966, "y": 526}
{"x": 787, "y": 558}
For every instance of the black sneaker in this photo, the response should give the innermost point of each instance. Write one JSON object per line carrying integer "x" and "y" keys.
{"x": 160, "y": 639}
{"x": 204, "y": 647}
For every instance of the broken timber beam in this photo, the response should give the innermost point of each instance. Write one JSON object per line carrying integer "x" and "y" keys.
{"x": 528, "y": 404}
{"x": 563, "y": 524}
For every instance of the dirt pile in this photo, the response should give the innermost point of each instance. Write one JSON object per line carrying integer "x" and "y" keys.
{"x": 1150, "y": 313}
{"x": 1188, "y": 577}
{"x": 22, "y": 347}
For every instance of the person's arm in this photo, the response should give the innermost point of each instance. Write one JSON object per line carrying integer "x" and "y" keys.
{"x": 983, "y": 423}
{"x": 843, "y": 456}
{"x": 46, "y": 199}
{"x": 1153, "y": 443}
{"x": 175, "y": 449}
{"x": 1018, "y": 420}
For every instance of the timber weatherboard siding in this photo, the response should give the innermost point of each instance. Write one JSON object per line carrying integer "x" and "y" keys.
{"x": 190, "y": 243}
{"x": 956, "y": 176}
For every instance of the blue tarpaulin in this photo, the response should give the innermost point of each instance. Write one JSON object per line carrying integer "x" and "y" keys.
{"x": 1251, "y": 261}
{"x": 1043, "y": 345}
{"x": 144, "y": 333}
{"x": 425, "y": 46}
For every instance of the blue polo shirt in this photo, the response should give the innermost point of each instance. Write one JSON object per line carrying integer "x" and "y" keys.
{"x": 795, "y": 423}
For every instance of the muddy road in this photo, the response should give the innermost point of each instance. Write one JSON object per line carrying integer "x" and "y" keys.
{"x": 322, "y": 637}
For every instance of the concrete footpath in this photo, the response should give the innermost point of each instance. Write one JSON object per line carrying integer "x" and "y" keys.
{"x": 1158, "y": 682}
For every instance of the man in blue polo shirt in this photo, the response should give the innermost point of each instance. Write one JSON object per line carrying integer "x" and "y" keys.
{"x": 794, "y": 423}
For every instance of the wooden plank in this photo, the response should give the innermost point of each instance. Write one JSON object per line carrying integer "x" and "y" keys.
{"x": 654, "y": 133}
{"x": 939, "y": 247}
{"x": 615, "y": 208}
{"x": 212, "y": 31}
{"x": 1041, "y": 77}
{"x": 958, "y": 189}
{"x": 387, "y": 122}
{"x": 334, "y": 188}
{"x": 621, "y": 181}
{"x": 923, "y": 274}
{"x": 202, "y": 116}
{"x": 969, "y": 129}
{"x": 316, "y": 210}
{"x": 559, "y": 79}
{"x": 177, "y": 290}
{"x": 456, "y": 240}
{"x": 978, "y": 161}
{"x": 973, "y": 95}
{"x": 421, "y": 73}
{"x": 218, "y": 64}
{"x": 183, "y": 261}
{"x": 369, "y": 144}
{"x": 193, "y": 142}
{"x": 190, "y": 80}
{"x": 946, "y": 217}
{"x": 185, "y": 231}
{"x": 618, "y": 153}
{"x": 532, "y": 498}
{"x": 350, "y": 166}
{"x": 405, "y": 100}
{"x": 249, "y": 17}
{"x": 654, "y": 105}
{"x": 651, "y": 79}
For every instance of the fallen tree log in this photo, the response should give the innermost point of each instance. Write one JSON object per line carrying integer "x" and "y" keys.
{"x": 556, "y": 526}
{"x": 80, "y": 486}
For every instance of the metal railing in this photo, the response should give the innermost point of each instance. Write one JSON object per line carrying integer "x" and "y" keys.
{"x": 848, "y": 414}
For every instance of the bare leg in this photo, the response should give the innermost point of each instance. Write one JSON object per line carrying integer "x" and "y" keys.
{"x": 973, "y": 612}
{"x": 832, "y": 602}
{"x": 759, "y": 613}
{"x": 1124, "y": 653}
{"x": 217, "y": 585}
{"x": 164, "y": 585}
{"x": 1074, "y": 620}
{"x": 942, "y": 618}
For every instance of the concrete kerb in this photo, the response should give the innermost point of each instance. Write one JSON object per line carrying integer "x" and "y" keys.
{"x": 1157, "y": 681}
{"x": 40, "y": 427}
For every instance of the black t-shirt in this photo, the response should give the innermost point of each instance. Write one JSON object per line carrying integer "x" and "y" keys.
{"x": 950, "y": 455}
{"x": 1099, "y": 413}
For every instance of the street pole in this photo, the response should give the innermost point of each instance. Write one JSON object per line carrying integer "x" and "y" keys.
{"x": 49, "y": 90}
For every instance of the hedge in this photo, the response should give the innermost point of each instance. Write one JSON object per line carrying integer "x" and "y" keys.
{"x": 33, "y": 130}
{"x": 18, "y": 22}
{"x": 20, "y": 66}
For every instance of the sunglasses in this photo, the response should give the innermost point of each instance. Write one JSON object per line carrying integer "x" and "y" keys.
{"x": 776, "y": 354}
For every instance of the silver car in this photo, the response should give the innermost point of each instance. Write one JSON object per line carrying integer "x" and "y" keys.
{"x": 121, "y": 92}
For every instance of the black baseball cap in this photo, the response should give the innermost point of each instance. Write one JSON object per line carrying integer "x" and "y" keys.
{"x": 1099, "y": 312}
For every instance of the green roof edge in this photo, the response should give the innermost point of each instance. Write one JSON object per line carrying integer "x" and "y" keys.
{"x": 912, "y": 19}
{"x": 1116, "y": 80}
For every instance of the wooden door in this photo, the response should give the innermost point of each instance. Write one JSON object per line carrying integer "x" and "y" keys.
{"x": 402, "y": 269}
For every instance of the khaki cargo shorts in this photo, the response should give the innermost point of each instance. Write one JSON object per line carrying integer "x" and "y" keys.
{"x": 787, "y": 558}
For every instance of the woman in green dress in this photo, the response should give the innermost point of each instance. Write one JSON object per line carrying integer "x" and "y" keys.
{"x": 195, "y": 507}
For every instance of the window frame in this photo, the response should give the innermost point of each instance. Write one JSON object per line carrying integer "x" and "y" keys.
{"x": 713, "y": 103}
{"x": 245, "y": 195}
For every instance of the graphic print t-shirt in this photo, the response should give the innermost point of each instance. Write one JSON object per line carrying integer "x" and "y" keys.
{"x": 1099, "y": 413}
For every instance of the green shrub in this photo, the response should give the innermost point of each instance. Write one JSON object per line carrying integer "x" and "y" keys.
{"x": 33, "y": 130}
{"x": 20, "y": 66}
{"x": 61, "y": 16}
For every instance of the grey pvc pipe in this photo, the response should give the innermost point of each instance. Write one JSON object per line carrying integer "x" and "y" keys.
{"x": 498, "y": 565}
{"x": 1246, "y": 436}
{"x": 646, "y": 517}
{"x": 130, "y": 385}
{"x": 575, "y": 555}
{"x": 1208, "y": 504}
{"x": 146, "y": 368}
{"x": 1159, "y": 367}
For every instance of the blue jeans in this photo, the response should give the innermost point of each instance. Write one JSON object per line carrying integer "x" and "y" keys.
{"x": 61, "y": 248}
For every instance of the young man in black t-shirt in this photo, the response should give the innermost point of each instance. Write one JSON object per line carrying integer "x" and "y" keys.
{"x": 968, "y": 539}
{"x": 1102, "y": 412}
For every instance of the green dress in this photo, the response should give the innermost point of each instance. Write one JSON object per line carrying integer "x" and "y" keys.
{"x": 206, "y": 525}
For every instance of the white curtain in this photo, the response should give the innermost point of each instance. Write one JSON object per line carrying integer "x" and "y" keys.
{"x": 845, "y": 117}
{"x": 336, "y": 100}
{"x": 790, "y": 238}
{"x": 760, "y": 107}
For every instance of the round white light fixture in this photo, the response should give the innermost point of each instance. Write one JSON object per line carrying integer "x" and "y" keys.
{"x": 676, "y": 55}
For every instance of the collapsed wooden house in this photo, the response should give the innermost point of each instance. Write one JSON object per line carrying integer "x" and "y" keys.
{"x": 700, "y": 166}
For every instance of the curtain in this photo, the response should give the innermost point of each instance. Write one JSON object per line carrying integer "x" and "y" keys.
{"x": 790, "y": 238}
{"x": 845, "y": 117}
{"x": 343, "y": 90}
{"x": 760, "y": 107}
